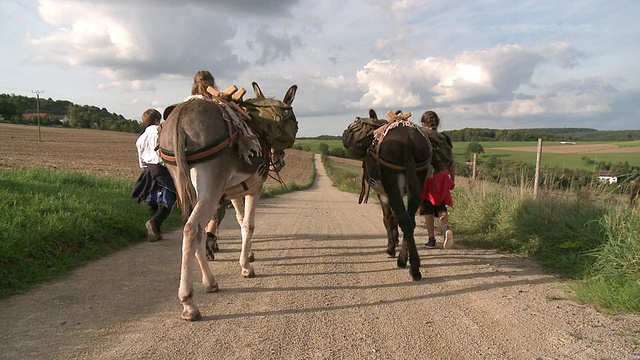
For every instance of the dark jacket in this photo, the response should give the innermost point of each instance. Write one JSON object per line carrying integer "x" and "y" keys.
{"x": 151, "y": 176}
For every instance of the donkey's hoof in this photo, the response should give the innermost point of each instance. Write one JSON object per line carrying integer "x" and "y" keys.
{"x": 212, "y": 288}
{"x": 391, "y": 253}
{"x": 415, "y": 275}
{"x": 252, "y": 257}
{"x": 248, "y": 273}
{"x": 191, "y": 315}
{"x": 210, "y": 256}
{"x": 402, "y": 263}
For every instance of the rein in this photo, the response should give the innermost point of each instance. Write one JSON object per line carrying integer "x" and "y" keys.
{"x": 279, "y": 179}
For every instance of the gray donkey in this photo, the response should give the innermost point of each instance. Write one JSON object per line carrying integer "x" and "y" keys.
{"x": 211, "y": 151}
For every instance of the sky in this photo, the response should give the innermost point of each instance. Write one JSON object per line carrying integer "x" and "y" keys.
{"x": 498, "y": 64}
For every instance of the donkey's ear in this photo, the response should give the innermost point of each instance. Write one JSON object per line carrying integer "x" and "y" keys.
{"x": 257, "y": 90}
{"x": 290, "y": 95}
{"x": 372, "y": 114}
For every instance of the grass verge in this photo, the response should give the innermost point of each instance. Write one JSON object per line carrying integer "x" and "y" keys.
{"x": 594, "y": 245}
{"x": 51, "y": 222}
{"x": 345, "y": 177}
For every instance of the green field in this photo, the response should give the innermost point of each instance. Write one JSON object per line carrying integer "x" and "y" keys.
{"x": 311, "y": 145}
{"x": 569, "y": 161}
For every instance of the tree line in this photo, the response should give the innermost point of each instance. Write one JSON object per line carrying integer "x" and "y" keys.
{"x": 19, "y": 109}
{"x": 549, "y": 134}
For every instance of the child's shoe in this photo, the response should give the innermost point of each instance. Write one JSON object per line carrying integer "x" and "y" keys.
{"x": 431, "y": 243}
{"x": 448, "y": 239}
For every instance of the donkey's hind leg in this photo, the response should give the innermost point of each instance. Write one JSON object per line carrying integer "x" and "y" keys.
{"x": 193, "y": 246}
{"x": 208, "y": 279}
{"x": 190, "y": 234}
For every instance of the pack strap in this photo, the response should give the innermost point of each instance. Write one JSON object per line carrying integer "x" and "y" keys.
{"x": 223, "y": 143}
{"x": 374, "y": 154}
{"x": 365, "y": 188}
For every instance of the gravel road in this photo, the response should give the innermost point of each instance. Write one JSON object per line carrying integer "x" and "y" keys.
{"x": 324, "y": 290}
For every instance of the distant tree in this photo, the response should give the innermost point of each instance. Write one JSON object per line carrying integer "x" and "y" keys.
{"x": 324, "y": 148}
{"x": 338, "y": 152}
{"x": 7, "y": 109}
{"x": 475, "y": 148}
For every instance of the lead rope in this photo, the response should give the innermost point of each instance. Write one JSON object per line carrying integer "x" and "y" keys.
{"x": 279, "y": 179}
{"x": 365, "y": 186}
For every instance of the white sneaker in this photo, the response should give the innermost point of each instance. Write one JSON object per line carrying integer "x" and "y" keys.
{"x": 448, "y": 240}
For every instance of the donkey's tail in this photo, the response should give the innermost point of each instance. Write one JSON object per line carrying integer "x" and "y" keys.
{"x": 414, "y": 188}
{"x": 186, "y": 191}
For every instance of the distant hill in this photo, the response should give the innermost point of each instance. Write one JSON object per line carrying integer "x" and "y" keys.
{"x": 548, "y": 134}
{"x": 322, "y": 137}
{"x": 18, "y": 109}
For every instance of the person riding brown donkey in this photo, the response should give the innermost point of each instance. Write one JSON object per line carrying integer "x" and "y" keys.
{"x": 201, "y": 81}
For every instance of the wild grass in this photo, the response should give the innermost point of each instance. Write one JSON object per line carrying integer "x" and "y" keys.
{"x": 51, "y": 222}
{"x": 594, "y": 244}
{"x": 345, "y": 177}
{"x": 616, "y": 270}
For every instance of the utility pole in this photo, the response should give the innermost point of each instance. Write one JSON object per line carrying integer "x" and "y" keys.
{"x": 38, "y": 92}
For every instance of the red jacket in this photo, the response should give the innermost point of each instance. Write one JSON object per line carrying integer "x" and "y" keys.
{"x": 437, "y": 189}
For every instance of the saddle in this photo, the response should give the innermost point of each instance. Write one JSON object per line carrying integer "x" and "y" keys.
{"x": 395, "y": 120}
{"x": 240, "y": 132}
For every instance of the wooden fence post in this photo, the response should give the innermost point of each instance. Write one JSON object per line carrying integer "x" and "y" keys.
{"x": 474, "y": 174}
{"x": 537, "y": 175}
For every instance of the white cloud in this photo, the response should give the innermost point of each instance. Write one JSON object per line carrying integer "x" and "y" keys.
{"x": 386, "y": 83}
{"x": 109, "y": 85}
{"x": 139, "y": 85}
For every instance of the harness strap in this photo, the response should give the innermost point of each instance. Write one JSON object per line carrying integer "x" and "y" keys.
{"x": 255, "y": 179}
{"x": 365, "y": 186}
{"x": 419, "y": 167}
{"x": 203, "y": 154}
{"x": 208, "y": 152}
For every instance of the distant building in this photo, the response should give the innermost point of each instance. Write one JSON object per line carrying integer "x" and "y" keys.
{"x": 43, "y": 115}
{"x": 607, "y": 176}
{"x": 28, "y": 116}
{"x": 567, "y": 142}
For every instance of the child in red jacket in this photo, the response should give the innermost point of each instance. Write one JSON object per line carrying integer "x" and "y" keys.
{"x": 436, "y": 193}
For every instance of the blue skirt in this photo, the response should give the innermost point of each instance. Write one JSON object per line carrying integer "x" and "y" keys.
{"x": 161, "y": 196}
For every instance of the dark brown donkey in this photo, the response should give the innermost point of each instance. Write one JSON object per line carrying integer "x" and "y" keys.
{"x": 210, "y": 151}
{"x": 396, "y": 165}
